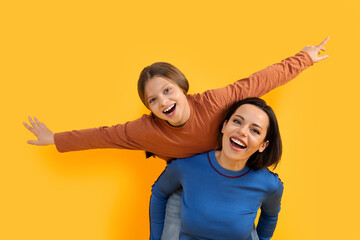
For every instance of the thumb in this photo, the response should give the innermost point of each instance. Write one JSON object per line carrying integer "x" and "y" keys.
{"x": 322, "y": 58}
{"x": 32, "y": 142}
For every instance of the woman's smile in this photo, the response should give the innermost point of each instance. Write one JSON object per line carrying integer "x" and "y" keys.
{"x": 237, "y": 144}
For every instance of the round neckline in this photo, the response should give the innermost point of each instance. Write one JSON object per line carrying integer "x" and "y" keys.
{"x": 223, "y": 171}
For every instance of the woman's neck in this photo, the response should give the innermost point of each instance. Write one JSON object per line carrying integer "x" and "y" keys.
{"x": 228, "y": 163}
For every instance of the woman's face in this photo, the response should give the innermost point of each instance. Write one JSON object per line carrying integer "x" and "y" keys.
{"x": 244, "y": 133}
{"x": 167, "y": 101}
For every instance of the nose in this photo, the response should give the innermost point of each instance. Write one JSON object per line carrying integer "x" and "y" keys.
{"x": 163, "y": 101}
{"x": 242, "y": 130}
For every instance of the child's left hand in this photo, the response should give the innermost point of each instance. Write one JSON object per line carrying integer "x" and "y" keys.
{"x": 314, "y": 51}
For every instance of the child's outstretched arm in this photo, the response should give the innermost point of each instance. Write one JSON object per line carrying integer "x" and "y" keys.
{"x": 118, "y": 136}
{"x": 44, "y": 135}
{"x": 267, "y": 79}
{"x": 278, "y": 74}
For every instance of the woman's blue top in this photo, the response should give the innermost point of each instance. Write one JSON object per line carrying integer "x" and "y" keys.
{"x": 217, "y": 203}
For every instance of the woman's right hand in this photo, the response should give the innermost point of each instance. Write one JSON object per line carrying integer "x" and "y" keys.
{"x": 44, "y": 135}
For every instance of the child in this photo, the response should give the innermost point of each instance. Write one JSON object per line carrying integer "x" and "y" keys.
{"x": 180, "y": 125}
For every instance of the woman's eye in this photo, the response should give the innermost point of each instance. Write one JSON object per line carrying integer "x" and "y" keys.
{"x": 167, "y": 90}
{"x": 152, "y": 100}
{"x": 237, "y": 121}
{"x": 255, "y": 131}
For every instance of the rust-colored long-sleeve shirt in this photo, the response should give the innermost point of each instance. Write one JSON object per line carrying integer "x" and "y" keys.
{"x": 200, "y": 133}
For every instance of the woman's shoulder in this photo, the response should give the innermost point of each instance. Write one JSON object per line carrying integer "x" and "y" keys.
{"x": 194, "y": 158}
{"x": 191, "y": 161}
{"x": 271, "y": 179}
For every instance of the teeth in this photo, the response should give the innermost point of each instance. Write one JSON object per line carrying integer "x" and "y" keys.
{"x": 169, "y": 108}
{"x": 237, "y": 142}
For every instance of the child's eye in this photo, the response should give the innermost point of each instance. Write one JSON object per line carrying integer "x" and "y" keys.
{"x": 152, "y": 100}
{"x": 167, "y": 90}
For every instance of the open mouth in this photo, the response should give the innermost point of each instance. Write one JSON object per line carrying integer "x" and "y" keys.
{"x": 237, "y": 143}
{"x": 170, "y": 110}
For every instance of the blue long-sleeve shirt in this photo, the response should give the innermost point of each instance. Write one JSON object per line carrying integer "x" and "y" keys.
{"x": 217, "y": 203}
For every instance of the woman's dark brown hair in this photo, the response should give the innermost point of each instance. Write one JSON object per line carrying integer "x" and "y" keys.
{"x": 272, "y": 154}
{"x": 161, "y": 69}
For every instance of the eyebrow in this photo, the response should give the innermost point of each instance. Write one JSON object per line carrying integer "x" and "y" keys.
{"x": 254, "y": 124}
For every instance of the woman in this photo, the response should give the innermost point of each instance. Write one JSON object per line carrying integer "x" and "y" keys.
{"x": 223, "y": 189}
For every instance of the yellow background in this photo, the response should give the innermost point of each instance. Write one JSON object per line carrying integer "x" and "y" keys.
{"x": 75, "y": 64}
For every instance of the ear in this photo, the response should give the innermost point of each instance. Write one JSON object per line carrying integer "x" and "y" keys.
{"x": 223, "y": 126}
{"x": 263, "y": 146}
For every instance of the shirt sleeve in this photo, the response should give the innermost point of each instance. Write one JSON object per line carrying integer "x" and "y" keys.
{"x": 261, "y": 82}
{"x": 167, "y": 183}
{"x": 125, "y": 136}
{"x": 270, "y": 209}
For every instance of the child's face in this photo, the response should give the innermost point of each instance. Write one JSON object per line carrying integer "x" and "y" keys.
{"x": 167, "y": 101}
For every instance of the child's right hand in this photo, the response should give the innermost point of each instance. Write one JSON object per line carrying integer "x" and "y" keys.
{"x": 39, "y": 129}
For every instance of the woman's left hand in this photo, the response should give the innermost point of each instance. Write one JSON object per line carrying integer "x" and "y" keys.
{"x": 314, "y": 51}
